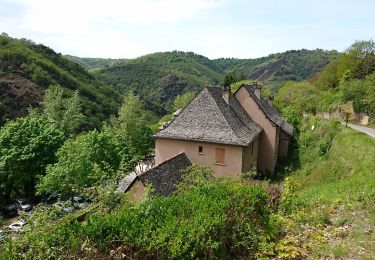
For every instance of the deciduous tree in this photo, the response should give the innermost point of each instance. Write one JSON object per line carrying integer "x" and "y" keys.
{"x": 87, "y": 160}
{"x": 27, "y": 145}
{"x": 63, "y": 111}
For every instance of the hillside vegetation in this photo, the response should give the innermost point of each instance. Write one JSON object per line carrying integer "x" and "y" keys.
{"x": 273, "y": 70}
{"x": 324, "y": 210}
{"x": 27, "y": 69}
{"x": 346, "y": 84}
{"x": 93, "y": 64}
{"x": 329, "y": 194}
{"x": 158, "y": 78}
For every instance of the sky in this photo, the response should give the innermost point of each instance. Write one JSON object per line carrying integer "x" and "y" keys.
{"x": 213, "y": 28}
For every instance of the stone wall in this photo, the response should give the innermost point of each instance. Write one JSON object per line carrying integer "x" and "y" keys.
{"x": 359, "y": 118}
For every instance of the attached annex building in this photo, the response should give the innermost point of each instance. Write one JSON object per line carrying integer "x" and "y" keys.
{"x": 231, "y": 132}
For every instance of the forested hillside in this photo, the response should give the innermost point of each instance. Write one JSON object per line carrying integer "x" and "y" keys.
{"x": 93, "y": 64}
{"x": 158, "y": 78}
{"x": 346, "y": 84}
{"x": 275, "y": 69}
{"x": 27, "y": 69}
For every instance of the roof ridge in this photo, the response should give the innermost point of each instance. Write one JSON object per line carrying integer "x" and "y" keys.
{"x": 221, "y": 112}
{"x": 165, "y": 162}
{"x": 270, "y": 112}
{"x": 231, "y": 96}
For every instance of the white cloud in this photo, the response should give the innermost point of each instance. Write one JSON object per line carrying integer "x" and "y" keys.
{"x": 76, "y": 16}
{"x": 111, "y": 28}
{"x": 214, "y": 28}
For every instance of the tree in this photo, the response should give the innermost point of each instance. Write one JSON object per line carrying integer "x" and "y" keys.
{"x": 182, "y": 101}
{"x": 131, "y": 124}
{"x": 85, "y": 161}
{"x": 65, "y": 112}
{"x": 362, "y": 55}
{"x": 27, "y": 145}
{"x": 292, "y": 116}
{"x": 361, "y": 93}
{"x": 236, "y": 85}
{"x": 347, "y": 111}
{"x": 303, "y": 96}
{"x": 231, "y": 77}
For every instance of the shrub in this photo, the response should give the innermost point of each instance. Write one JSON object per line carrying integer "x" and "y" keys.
{"x": 221, "y": 219}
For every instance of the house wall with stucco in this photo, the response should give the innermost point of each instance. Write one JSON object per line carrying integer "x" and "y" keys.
{"x": 284, "y": 144}
{"x": 137, "y": 191}
{"x": 168, "y": 148}
{"x": 250, "y": 156}
{"x": 268, "y": 139}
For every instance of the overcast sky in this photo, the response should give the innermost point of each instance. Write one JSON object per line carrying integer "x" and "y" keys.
{"x": 214, "y": 28}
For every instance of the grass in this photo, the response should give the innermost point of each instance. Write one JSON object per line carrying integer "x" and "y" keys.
{"x": 334, "y": 204}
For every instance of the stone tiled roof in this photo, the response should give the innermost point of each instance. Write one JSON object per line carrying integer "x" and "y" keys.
{"x": 270, "y": 111}
{"x": 166, "y": 175}
{"x": 127, "y": 182}
{"x": 209, "y": 118}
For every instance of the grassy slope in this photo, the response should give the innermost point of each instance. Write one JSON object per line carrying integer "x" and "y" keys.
{"x": 337, "y": 213}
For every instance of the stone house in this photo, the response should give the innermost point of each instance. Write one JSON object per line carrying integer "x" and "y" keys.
{"x": 233, "y": 132}
{"x": 162, "y": 178}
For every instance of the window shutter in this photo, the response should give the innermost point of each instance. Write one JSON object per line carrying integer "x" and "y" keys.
{"x": 220, "y": 155}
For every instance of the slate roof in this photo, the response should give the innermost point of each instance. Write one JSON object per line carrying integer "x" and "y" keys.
{"x": 270, "y": 111}
{"x": 166, "y": 175}
{"x": 209, "y": 118}
{"x": 127, "y": 182}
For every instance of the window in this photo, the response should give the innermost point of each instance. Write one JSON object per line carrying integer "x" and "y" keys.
{"x": 220, "y": 156}
{"x": 200, "y": 149}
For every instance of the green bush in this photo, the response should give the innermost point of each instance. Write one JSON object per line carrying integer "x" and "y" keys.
{"x": 220, "y": 219}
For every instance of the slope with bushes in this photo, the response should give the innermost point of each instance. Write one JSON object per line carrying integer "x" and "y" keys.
{"x": 346, "y": 84}
{"x": 204, "y": 219}
{"x": 327, "y": 205}
{"x": 27, "y": 69}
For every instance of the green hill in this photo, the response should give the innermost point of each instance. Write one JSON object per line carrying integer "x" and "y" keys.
{"x": 27, "y": 69}
{"x": 93, "y": 64}
{"x": 160, "y": 77}
{"x": 275, "y": 69}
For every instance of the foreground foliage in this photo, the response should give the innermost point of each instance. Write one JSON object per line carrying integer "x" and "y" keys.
{"x": 223, "y": 218}
{"x": 327, "y": 207}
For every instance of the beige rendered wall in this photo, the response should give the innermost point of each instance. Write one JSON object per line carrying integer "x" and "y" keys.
{"x": 250, "y": 156}
{"x": 284, "y": 144}
{"x": 168, "y": 148}
{"x": 268, "y": 140}
{"x": 137, "y": 191}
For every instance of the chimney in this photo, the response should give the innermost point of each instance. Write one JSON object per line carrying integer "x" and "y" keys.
{"x": 257, "y": 90}
{"x": 226, "y": 92}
